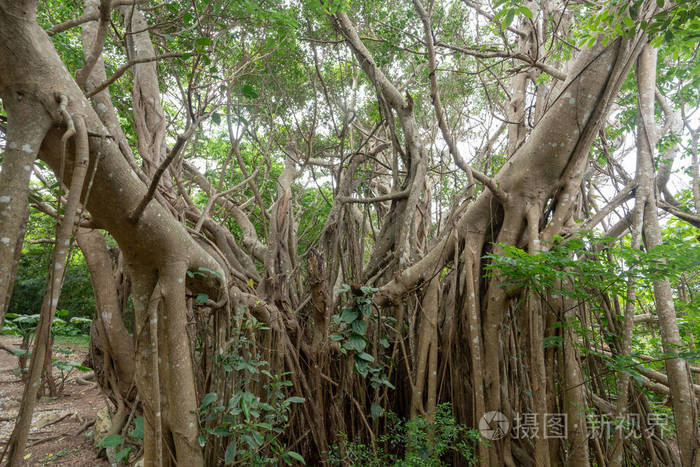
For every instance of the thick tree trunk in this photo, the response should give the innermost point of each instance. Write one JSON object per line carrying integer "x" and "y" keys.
{"x": 113, "y": 336}
{"x": 28, "y": 122}
{"x": 8, "y": 287}
{"x": 42, "y": 341}
{"x": 532, "y": 199}
{"x": 155, "y": 242}
{"x": 679, "y": 376}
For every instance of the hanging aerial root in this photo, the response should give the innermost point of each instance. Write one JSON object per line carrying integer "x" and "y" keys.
{"x": 153, "y": 305}
{"x": 26, "y": 128}
{"x": 18, "y": 439}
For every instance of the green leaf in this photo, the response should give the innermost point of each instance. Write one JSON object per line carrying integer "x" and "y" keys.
{"x": 367, "y": 290}
{"x": 124, "y": 453}
{"x": 376, "y": 410}
{"x": 202, "y": 298}
{"x": 525, "y": 11}
{"x": 296, "y": 456}
{"x": 212, "y": 272}
{"x": 216, "y": 118}
{"x": 203, "y": 42}
{"x": 296, "y": 400}
{"x": 110, "y": 441}
{"x": 365, "y": 356}
{"x": 221, "y": 430}
{"x": 362, "y": 367}
{"x": 510, "y": 14}
{"x": 349, "y": 315}
{"x": 230, "y": 454}
{"x": 17, "y": 352}
{"x": 208, "y": 400}
{"x": 359, "y": 326}
{"x": 138, "y": 428}
{"x": 250, "y": 441}
{"x": 249, "y": 91}
{"x": 356, "y": 342}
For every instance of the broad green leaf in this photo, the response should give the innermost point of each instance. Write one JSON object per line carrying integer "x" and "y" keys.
{"x": 208, "y": 400}
{"x": 356, "y": 342}
{"x": 365, "y": 356}
{"x": 376, "y": 410}
{"x": 248, "y": 91}
{"x": 230, "y": 454}
{"x": 296, "y": 456}
{"x": 110, "y": 441}
{"x": 349, "y": 315}
{"x": 138, "y": 428}
{"x": 123, "y": 454}
{"x": 359, "y": 326}
{"x": 525, "y": 11}
{"x": 203, "y": 42}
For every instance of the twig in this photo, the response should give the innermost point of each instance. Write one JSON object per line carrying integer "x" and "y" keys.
{"x": 59, "y": 419}
{"x": 122, "y": 69}
{"x": 85, "y": 18}
{"x": 96, "y": 50}
{"x": 388, "y": 197}
{"x": 179, "y": 143}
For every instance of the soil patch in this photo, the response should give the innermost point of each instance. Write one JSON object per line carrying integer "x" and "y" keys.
{"x": 61, "y": 427}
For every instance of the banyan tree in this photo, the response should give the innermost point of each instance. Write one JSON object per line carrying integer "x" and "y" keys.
{"x": 330, "y": 212}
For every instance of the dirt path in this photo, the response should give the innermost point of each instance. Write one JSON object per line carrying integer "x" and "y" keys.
{"x": 53, "y": 439}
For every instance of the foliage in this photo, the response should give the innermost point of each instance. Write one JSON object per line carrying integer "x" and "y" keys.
{"x": 418, "y": 442}
{"x": 32, "y": 274}
{"x": 66, "y": 368}
{"x": 124, "y": 446}
{"x": 25, "y": 325}
{"x": 578, "y": 266}
{"x": 352, "y": 324}
{"x": 251, "y": 426}
{"x": 591, "y": 270}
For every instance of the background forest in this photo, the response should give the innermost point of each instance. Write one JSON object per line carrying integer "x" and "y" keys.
{"x": 358, "y": 232}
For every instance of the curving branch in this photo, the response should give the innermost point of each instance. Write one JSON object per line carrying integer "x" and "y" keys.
{"x": 58, "y": 28}
{"x": 550, "y": 70}
{"x": 82, "y": 74}
{"x": 177, "y": 147}
{"x": 403, "y": 194}
{"x": 123, "y": 69}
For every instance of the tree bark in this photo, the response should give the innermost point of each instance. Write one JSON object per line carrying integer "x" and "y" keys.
{"x": 27, "y": 125}
{"x": 680, "y": 378}
{"x": 42, "y": 341}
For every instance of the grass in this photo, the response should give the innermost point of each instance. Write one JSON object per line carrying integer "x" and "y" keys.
{"x": 80, "y": 342}
{"x": 77, "y": 343}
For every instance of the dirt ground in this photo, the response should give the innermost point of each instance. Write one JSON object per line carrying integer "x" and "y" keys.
{"x": 54, "y": 438}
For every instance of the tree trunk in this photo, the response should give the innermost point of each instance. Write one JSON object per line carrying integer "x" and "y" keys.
{"x": 679, "y": 376}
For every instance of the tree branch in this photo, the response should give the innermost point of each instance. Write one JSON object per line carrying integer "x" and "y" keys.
{"x": 61, "y": 27}
{"x": 122, "y": 69}
{"x": 97, "y": 46}
{"x": 388, "y": 197}
{"x": 177, "y": 147}
{"x": 550, "y": 70}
